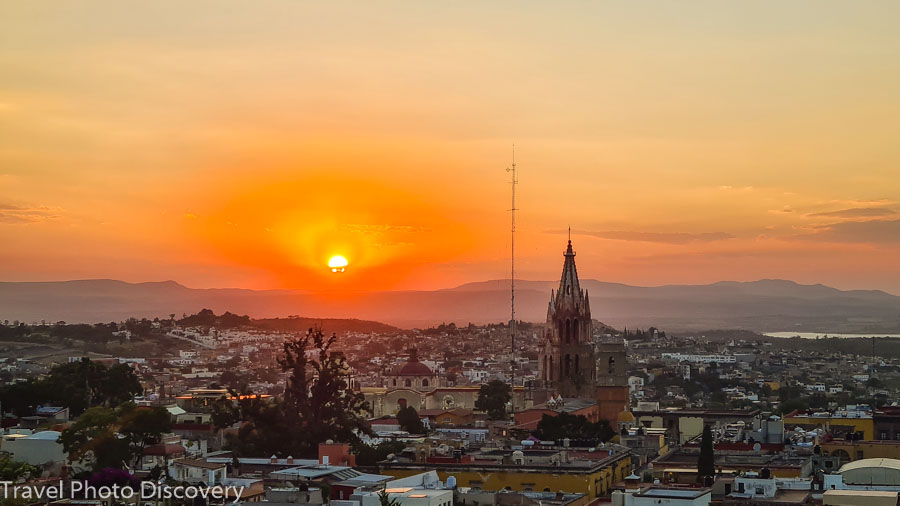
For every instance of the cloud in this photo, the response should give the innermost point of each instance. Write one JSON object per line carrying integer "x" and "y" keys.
{"x": 857, "y": 212}
{"x": 873, "y": 231}
{"x": 375, "y": 229}
{"x": 23, "y": 215}
{"x": 661, "y": 237}
{"x": 783, "y": 210}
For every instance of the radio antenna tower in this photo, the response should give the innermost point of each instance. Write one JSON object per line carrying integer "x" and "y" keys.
{"x": 512, "y": 277}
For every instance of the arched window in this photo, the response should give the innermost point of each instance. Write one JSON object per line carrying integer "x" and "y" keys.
{"x": 395, "y": 381}
{"x": 575, "y": 331}
{"x": 568, "y": 330}
{"x": 551, "y": 378}
{"x": 545, "y": 368}
{"x": 568, "y": 365}
{"x": 401, "y": 403}
{"x": 561, "y": 367}
{"x": 560, "y": 331}
{"x": 408, "y": 383}
{"x": 612, "y": 365}
{"x": 424, "y": 382}
{"x": 576, "y": 365}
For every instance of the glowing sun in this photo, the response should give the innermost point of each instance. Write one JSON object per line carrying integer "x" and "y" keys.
{"x": 337, "y": 263}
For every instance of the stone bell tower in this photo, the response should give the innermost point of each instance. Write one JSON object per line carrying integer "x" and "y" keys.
{"x": 567, "y": 363}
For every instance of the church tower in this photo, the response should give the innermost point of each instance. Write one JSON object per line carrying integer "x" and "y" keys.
{"x": 566, "y": 364}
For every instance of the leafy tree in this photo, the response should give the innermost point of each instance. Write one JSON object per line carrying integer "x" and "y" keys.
{"x": 76, "y": 385}
{"x": 409, "y": 420}
{"x": 706, "y": 462}
{"x": 567, "y": 425}
{"x": 113, "y": 438}
{"x": 318, "y": 404}
{"x": 493, "y": 398}
{"x": 142, "y": 426}
{"x": 369, "y": 455}
{"x": 11, "y": 470}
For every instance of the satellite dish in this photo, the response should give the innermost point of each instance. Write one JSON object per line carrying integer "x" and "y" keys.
{"x": 451, "y": 482}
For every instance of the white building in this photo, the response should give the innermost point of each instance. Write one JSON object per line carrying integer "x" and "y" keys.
{"x": 36, "y": 449}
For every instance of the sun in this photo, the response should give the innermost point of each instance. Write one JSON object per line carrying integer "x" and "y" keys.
{"x": 337, "y": 263}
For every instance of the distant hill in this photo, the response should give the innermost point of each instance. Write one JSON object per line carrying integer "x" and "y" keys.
{"x": 767, "y": 305}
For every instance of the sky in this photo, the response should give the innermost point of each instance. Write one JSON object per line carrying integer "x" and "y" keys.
{"x": 242, "y": 144}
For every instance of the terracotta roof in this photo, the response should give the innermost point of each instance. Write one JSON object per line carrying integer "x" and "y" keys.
{"x": 164, "y": 449}
{"x": 199, "y": 463}
{"x": 413, "y": 368}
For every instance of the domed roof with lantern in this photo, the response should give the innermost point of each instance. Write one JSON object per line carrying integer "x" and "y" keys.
{"x": 412, "y": 367}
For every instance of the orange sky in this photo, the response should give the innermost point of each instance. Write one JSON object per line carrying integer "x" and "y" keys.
{"x": 228, "y": 144}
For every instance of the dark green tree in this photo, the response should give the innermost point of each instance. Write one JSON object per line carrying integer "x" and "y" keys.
{"x": 493, "y": 398}
{"x": 114, "y": 438}
{"x": 318, "y": 404}
{"x": 706, "y": 462}
{"x": 142, "y": 426}
{"x": 369, "y": 455}
{"x": 11, "y": 470}
{"x": 567, "y": 425}
{"x": 409, "y": 420}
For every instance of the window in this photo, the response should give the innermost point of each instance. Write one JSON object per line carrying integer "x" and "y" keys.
{"x": 859, "y": 455}
{"x": 408, "y": 383}
{"x": 884, "y": 435}
{"x": 424, "y": 382}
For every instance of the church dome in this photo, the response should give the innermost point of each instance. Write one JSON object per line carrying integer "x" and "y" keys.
{"x": 625, "y": 417}
{"x": 413, "y": 367}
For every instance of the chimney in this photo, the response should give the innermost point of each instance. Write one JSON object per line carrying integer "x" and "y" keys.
{"x": 290, "y": 460}
{"x": 273, "y": 459}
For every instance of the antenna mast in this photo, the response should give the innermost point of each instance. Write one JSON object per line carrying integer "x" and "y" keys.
{"x": 512, "y": 277}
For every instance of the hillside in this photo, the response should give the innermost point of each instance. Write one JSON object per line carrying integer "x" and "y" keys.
{"x": 765, "y": 305}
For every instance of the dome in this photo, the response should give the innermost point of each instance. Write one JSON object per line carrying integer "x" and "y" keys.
{"x": 877, "y": 471}
{"x": 413, "y": 367}
{"x": 625, "y": 416}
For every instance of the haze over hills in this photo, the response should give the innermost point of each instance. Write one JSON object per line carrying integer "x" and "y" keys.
{"x": 765, "y": 305}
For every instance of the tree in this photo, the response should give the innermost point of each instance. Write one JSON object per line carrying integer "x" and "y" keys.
{"x": 318, "y": 404}
{"x": 11, "y": 470}
{"x": 368, "y": 455}
{"x": 76, "y": 385}
{"x": 142, "y": 426}
{"x": 384, "y": 499}
{"x": 409, "y": 420}
{"x": 706, "y": 462}
{"x": 114, "y": 438}
{"x": 493, "y": 398}
{"x": 567, "y": 425}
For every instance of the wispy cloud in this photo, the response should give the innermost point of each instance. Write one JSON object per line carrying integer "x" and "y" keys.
{"x": 23, "y": 215}
{"x": 660, "y": 237}
{"x": 872, "y": 231}
{"x": 856, "y": 212}
{"x": 375, "y": 229}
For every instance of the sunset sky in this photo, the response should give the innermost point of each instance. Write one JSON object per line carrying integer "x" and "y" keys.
{"x": 242, "y": 144}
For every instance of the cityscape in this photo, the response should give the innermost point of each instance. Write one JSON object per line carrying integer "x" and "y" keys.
{"x": 399, "y": 254}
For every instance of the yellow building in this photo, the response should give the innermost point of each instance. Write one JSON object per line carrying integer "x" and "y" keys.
{"x": 856, "y": 421}
{"x": 849, "y": 451}
{"x": 595, "y": 479}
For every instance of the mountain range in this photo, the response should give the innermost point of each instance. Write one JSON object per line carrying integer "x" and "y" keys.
{"x": 768, "y": 305}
